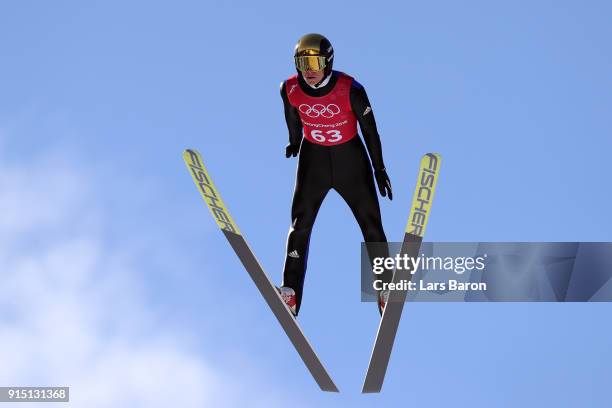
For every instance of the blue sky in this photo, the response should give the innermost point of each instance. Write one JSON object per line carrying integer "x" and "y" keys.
{"x": 109, "y": 255}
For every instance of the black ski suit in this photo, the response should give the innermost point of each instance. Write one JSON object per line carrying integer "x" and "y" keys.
{"x": 344, "y": 167}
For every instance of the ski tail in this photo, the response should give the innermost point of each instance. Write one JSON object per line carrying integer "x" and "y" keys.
{"x": 413, "y": 236}
{"x": 222, "y": 217}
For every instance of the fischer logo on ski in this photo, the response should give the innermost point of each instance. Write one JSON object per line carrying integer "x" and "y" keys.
{"x": 209, "y": 192}
{"x": 423, "y": 195}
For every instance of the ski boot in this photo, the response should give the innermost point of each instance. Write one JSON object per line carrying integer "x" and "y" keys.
{"x": 288, "y": 296}
{"x": 383, "y": 298}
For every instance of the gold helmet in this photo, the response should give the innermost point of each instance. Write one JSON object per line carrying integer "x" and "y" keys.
{"x": 313, "y": 52}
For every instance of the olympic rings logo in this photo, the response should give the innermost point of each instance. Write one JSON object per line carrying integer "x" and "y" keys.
{"x": 319, "y": 110}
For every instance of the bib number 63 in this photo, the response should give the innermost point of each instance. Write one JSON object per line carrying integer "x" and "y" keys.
{"x": 330, "y": 136}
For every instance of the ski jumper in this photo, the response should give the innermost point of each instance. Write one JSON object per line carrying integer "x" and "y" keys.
{"x": 332, "y": 156}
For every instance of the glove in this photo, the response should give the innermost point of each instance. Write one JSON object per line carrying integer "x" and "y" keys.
{"x": 384, "y": 184}
{"x": 292, "y": 150}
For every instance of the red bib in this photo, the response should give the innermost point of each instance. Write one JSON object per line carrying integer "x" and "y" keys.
{"x": 328, "y": 120}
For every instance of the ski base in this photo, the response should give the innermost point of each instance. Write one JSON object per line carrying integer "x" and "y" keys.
{"x": 415, "y": 230}
{"x": 211, "y": 196}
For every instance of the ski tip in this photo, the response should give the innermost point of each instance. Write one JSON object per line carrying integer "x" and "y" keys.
{"x": 190, "y": 152}
{"x": 431, "y": 161}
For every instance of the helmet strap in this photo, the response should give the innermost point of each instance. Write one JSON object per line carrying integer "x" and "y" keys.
{"x": 321, "y": 83}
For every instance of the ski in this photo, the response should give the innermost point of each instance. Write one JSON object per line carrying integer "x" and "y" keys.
{"x": 211, "y": 196}
{"x": 413, "y": 236}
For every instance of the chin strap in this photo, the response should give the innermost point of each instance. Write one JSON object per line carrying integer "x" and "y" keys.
{"x": 321, "y": 83}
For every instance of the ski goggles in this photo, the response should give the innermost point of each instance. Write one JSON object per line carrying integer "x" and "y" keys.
{"x": 310, "y": 62}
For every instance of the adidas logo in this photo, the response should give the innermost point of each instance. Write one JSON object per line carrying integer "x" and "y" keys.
{"x": 366, "y": 111}
{"x": 294, "y": 254}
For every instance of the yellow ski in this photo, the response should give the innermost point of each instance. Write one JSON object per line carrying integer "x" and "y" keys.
{"x": 222, "y": 217}
{"x": 413, "y": 236}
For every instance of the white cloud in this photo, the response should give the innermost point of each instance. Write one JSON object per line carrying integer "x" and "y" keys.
{"x": 72, "y": 310}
